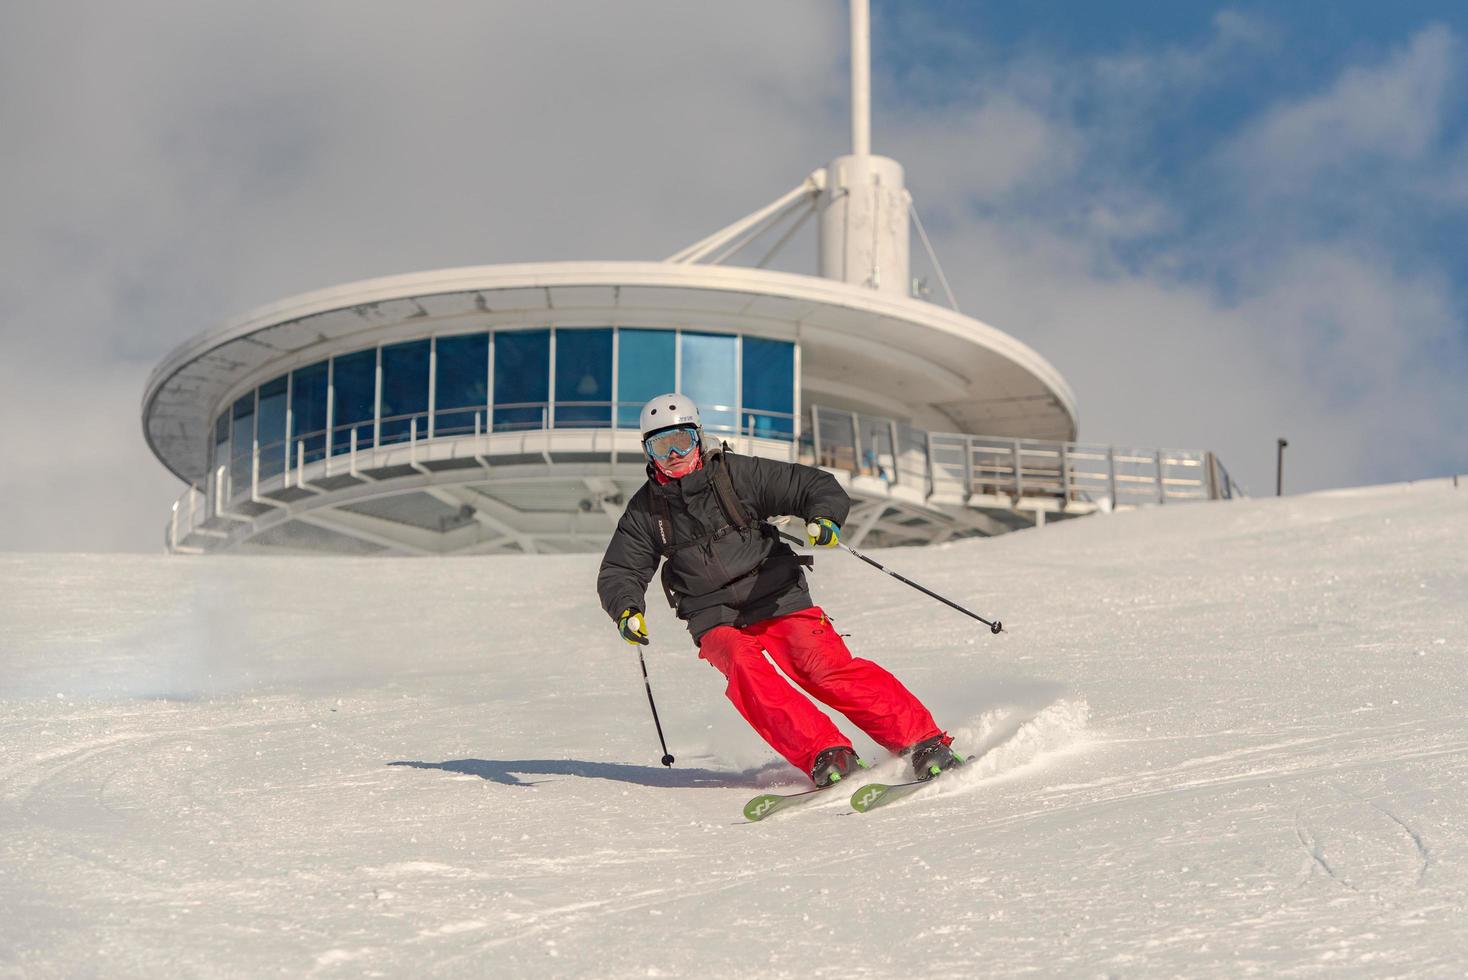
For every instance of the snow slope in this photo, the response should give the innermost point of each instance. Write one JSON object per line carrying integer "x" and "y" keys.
{"x": 1222, "y": 739}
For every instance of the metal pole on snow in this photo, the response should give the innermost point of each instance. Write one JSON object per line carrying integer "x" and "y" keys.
{"x": 667, "y": 759}
{"x": 1280, "y": 445}
{"x": 995, "y": 626}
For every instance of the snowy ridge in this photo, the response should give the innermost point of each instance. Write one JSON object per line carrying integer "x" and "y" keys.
{"x": 1215, "y": 740}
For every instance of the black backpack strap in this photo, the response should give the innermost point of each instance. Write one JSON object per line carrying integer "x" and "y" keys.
{"x": 734, "y": 511}
{"x": 668, "y": 592}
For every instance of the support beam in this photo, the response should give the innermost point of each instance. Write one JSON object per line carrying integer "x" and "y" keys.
{"x": 504, "y": 544}
{"x": 603, "y": 490}
{"x": 983, "y": 523}
{"x": 861, "y": 520}
{"x": 399, "y": 538}
{"x": 463, "y": 496}
{"x": 808, "y": 190}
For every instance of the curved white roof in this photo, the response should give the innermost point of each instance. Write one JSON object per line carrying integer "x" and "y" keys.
{"x": 950, "y": 371}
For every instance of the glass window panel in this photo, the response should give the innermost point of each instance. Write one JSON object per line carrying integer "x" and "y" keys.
{"x": 354, "y": 384}
{"x": 242, "y": 443}
{"x": 584, "y": 378}
{"x": 271, "y": 427}
{"x": 769, "y": 388}
{"x": 221, "y": 442}
{"x": 521, "y": 379}
{"x": 708, "y": 377}
{"x": 404, "y": 391}
{"x": 461, "y": 389}
{"x": 646, "y": 366}
{"x": 308, "y": 412}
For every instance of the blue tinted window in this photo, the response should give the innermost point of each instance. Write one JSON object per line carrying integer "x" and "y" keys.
{"x": 404, "y": 391}
{"x": 308, "y": 412}
{"x": 769, "y": 388}
{"x": 583, "y": 378}
{"x": 271, "y": 427}
{"x": 354, "y": 386}
{"x": 242, "y": 442}
{"x": 461, "y": 389}
{"x": 645, "y": 367}
{"x": 708, "y": 377}
{"x": 521, "y": 379}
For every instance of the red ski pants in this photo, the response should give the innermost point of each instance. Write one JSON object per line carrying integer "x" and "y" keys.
{"x": 806, "y": 646}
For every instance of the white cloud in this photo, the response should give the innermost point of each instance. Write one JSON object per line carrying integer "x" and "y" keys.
{"x": 1389, "y": 111}
{"x": 1174, "y": 71}
{"x": 1358, "y": 365}
{"x": 978, "y": 154}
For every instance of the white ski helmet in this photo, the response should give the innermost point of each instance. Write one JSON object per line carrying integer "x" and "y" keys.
{"x": 669, "y": 411}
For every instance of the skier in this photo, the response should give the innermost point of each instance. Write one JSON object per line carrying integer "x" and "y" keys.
{"x": 742, "y": 594}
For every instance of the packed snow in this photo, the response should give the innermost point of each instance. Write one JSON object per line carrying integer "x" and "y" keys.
{"x": 1216, "y": 740}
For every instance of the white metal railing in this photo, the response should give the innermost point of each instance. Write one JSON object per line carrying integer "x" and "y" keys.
{"x": 940, "y": 467}
{"x": 963, "y": 466}
{"x": 271, "y": 477}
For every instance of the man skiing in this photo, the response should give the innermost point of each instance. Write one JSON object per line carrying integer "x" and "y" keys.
{"x": 742, "y": 594}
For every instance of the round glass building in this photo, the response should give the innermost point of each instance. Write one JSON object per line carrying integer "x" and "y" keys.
{"x": 494, "y": 408}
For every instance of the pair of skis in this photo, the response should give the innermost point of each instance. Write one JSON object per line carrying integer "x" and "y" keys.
{"x": 867, "y": 797}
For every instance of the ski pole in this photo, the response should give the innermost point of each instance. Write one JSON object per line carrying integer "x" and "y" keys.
{"x": 995, "y": 627}
{"x": 668, "y": 759}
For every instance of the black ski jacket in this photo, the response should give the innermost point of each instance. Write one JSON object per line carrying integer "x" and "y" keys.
{"x": 726, "y": 576}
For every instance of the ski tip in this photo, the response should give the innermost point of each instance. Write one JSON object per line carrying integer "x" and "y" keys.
{"x": 761, "y": 807}
{"x": 867, "y": 796}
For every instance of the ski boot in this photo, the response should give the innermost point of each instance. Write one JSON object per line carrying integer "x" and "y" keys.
{"x": 834, "y": 763}
{"x": 932, "y": 756}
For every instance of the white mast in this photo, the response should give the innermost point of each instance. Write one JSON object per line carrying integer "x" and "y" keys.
{"x": 864, "y": 205}
{"x": 861, "y": 79}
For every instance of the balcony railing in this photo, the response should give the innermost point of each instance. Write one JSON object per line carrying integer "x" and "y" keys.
{"x": 936, "y": 468}
{"x": 960, "y": 467}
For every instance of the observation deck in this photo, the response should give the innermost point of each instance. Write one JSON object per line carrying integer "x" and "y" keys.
{"x": 494, "y": 409}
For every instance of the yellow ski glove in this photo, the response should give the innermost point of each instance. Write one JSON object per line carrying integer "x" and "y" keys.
{"x": 632, "y": 624}
{"x": 822, "y": 533}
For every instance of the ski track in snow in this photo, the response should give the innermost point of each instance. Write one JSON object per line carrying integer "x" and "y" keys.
{"x": 1217, "y": 741}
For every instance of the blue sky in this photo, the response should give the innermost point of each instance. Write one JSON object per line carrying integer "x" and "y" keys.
{"x": 1263, "y": 55}
{"x": 1222, "y": 222}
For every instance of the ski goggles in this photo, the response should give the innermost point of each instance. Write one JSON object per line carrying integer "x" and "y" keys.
{"x": 671, "y": 442}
